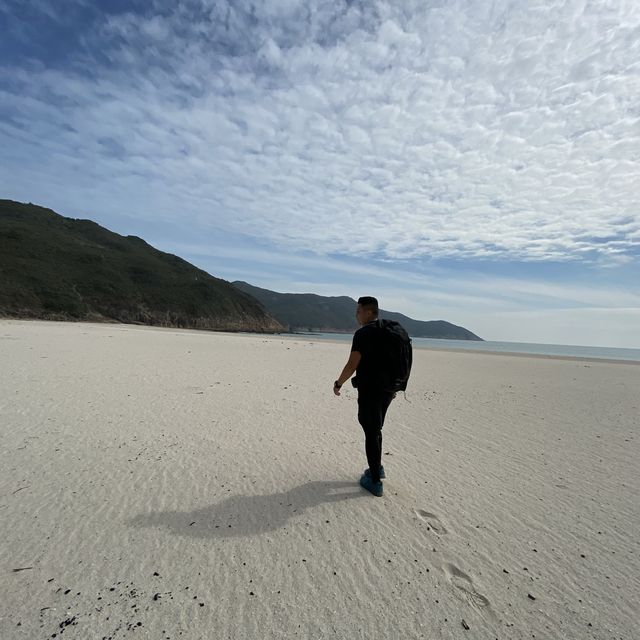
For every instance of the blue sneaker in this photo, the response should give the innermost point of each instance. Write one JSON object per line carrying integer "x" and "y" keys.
{"x": 373, "y": 487}
{"x": 367, "y": 472}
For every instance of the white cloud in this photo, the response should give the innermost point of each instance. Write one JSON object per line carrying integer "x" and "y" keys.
{"x": 474, "y": 298}
{"x": 405, "y": 130}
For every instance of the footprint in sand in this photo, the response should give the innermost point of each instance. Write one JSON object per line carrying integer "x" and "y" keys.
{"x": 432, "y": 520}
{"x": 464, "y": 584}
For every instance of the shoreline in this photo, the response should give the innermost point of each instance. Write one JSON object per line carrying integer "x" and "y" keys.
{"x": 315, "y": 339}
{"x": 544, "y": 356}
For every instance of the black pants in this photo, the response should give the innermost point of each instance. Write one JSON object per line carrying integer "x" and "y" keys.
{"x": 372, "y": 409}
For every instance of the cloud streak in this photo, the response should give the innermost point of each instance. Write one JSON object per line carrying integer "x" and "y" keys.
{"x": 396, "y": 130}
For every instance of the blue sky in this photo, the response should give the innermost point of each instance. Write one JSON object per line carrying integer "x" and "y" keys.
{"x": 472, "y": 161}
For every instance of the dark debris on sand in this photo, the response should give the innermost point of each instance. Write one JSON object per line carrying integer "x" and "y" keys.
{"x": 121, "y": 609}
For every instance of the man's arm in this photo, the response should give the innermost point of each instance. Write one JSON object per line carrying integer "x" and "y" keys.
{"x": 348, "y": 371}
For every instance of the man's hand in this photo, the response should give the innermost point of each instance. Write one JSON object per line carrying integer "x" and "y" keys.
{"x": 348, "y": 371}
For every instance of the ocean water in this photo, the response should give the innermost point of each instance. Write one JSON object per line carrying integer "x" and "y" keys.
{"x": 604, "y": 353}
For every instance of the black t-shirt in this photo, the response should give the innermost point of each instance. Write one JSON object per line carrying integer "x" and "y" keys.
{"x": 366, "y": 341}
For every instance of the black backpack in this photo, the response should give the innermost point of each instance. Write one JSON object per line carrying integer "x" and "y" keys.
{"x": 396, "y": 355}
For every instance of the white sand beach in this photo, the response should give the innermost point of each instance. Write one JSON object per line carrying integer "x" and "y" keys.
{"x": 158, "y": 483}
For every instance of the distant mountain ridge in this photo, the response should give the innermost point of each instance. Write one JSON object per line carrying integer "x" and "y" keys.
{"x": 311, "y": 312}
{"x": 60, "y": 268}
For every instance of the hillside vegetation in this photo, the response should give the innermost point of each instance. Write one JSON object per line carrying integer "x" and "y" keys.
{"x": 54, "y": 267}
{"x": 310, "y": 312}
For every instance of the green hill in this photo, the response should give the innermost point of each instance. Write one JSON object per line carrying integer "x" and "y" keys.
{"x": 310, "y": 312}
{"x": 54, "y": 267}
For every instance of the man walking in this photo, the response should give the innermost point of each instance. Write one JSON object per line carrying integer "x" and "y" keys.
{"x": 366, "y": 360}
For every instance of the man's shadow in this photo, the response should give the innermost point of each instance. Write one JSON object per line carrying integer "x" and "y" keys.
{"x": 240, "y": 516}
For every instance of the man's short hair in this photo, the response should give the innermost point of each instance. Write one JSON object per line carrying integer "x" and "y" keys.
{"x": 369, "y": 303}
